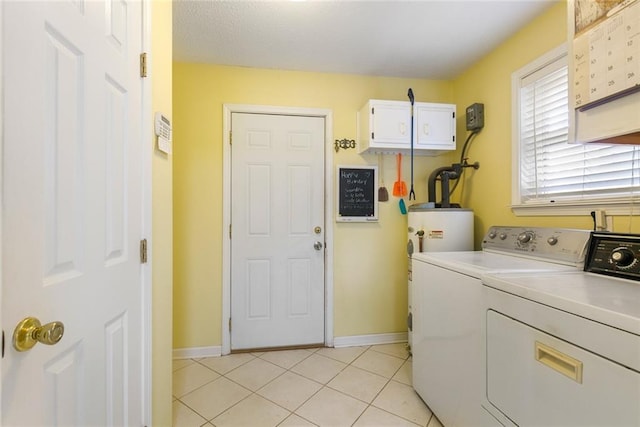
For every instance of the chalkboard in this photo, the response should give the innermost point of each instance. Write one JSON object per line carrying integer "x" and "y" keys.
{"x": 357, "y": 194}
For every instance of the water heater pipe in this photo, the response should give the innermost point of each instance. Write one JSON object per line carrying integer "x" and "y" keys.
{"x": 445, "y": 173}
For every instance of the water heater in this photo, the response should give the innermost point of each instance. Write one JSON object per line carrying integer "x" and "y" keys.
{"x": 439, "y": 229}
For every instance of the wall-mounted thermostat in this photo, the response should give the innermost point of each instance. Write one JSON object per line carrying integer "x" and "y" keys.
{"x": 163, "y": 132}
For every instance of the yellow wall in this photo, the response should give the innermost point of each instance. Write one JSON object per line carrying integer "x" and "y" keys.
{"x": 370, "y": 264}
{"x": 369, "y": 259}
{"x": 162, "y": 219}
{"x": 488, "y": 190}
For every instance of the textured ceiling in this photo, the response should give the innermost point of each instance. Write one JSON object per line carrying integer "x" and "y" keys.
{"x": 436, "y": 39}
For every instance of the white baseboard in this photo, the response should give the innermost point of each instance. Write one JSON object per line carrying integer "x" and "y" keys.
{"x": 373, "y": 339}
{"x": 197, "y": 352}
{"x": 350, "y": 341}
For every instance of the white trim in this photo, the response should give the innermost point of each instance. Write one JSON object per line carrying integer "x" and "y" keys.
{"x": 228, "y": 109}
{"x": 1, "y": 175}
{"x": 373, "y": 339}
{"x": 516, "y": 77}
{"x": 571, "y": 31}
{"x": 614, "y": 207}
{"x": 147, "y": 223}
{"x": 349, "y": 341}
{"x": 197, "y": 352}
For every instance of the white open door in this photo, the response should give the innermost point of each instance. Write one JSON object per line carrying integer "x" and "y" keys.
{"x": 72, "y": 212}
{"x": 278, "y": 230}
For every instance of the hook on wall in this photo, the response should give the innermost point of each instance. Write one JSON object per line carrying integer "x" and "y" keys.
{"x": 344, "y": 144}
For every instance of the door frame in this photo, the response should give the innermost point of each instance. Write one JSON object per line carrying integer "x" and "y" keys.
{"x": 327, "y": 114}
{"x": 146, "y": 279}
{"x": 4, "y": 340}
{"x": 146, "y": 218}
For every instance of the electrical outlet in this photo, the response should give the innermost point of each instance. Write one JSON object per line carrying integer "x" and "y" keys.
{"x": 604, "y": 222}
{"x": 475, "y": 116}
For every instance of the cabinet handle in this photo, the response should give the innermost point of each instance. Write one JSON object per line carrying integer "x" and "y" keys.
{"x": 560, "y": 362}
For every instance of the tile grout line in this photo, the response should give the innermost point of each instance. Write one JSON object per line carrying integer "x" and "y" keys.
{"x": 378, "y": 394}
{"x": 325, "y": 385}
{"x": 269, "y": 382}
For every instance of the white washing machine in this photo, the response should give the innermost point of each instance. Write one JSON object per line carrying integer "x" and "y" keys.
{"x": 435, "y": 230}
{"x": 447, "y": 312}
{"x": 563, "y": 349}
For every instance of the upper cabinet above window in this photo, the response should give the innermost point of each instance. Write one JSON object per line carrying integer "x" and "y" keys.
{"x": 604, "y": 71}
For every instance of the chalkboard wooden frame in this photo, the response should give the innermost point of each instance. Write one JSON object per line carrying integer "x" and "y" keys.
{"x": 357, "y": 195}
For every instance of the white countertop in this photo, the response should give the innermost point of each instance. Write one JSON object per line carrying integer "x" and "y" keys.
{"x": 604, "y": 299}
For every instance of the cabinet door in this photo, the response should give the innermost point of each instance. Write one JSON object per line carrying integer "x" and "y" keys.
{"x": 391, "y": 124}
{"x": 435, "y": 126}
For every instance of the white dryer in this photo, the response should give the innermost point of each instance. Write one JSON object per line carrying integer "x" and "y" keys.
{"x": 563, "y": 348}
{"x": 447, "y": 312}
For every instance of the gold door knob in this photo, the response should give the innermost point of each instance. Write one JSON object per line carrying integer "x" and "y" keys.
{"x": 29, "y": 332}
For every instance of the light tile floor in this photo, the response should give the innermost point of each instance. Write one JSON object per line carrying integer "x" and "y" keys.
{"x": 353, "y": 386}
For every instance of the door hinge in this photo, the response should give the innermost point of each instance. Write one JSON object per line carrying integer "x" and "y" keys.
{"x": 143, "y": 64}
{"x": 454, "y": 115}
{"x": 143, "y": 251}
{"x": 3, "y": 343}
{"x": 372, "y": 110}
{"x": 229, "y": 231}
{"x": 229, "y": 324}
{"x": 372, "y": 135}
{"x": 230, "y": 138}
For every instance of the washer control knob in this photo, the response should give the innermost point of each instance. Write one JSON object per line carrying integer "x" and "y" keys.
{"x": 552, "y": 240}
{"x": 525, "y": 237}
{"x": 622, "y": 257}
{"x": 502, "y": 236}
{"x": 492, "y": 234}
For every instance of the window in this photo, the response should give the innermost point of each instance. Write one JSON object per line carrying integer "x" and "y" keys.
{"x": 548, "y": 171}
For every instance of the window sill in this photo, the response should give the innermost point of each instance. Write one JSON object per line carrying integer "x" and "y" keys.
{"x": 612, "y": 207}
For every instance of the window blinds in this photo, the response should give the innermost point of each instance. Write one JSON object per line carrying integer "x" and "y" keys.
{"x": 553, "y": 170}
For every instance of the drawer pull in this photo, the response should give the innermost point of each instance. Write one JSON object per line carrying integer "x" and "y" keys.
{"x": 559, "y": 362}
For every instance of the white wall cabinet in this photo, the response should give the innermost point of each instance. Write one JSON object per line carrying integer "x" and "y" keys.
{"x": 435, "y": 126}
{"x": 385, "y": 127}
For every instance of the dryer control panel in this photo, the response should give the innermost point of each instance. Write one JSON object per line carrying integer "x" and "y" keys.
{"x": 614, "y": 254}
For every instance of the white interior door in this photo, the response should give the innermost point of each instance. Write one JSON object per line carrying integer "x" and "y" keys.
{"x": 277, "y": 218}
{"x": 72, "y": 211}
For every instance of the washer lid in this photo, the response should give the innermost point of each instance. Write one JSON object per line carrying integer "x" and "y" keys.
{"x": 477, "y": 263}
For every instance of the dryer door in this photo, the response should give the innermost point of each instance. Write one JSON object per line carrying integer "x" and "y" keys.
{"x": 536, "y": 379}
